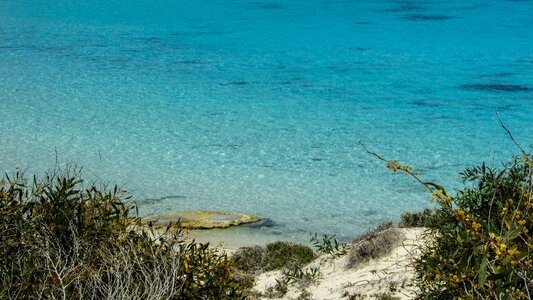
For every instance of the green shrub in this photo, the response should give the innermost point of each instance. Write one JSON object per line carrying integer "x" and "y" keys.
{"x": 481, "y": 238}
{"x": 251, "y": 260}
{"x": 302, "y": 277}
{"x": 374, "y": 244}
{"x": 63, "y": 239}
{"x": 328, "y": 245}
{"x": 423, "y": 218}
{"x": 479, "y": 241}
{"x": 274, "y": 256}
{"x": 284, "y": 254}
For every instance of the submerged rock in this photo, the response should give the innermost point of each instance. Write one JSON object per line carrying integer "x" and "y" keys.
{"x": 236, "y": 83}
{"x": 156, "y": 200}
{"x": 264, "y": 223}
{"x": 201, "y": 219}
{"x": 420, "y": 17}
{"x": 496, "y": 87}
{"x": 405, "y": 8}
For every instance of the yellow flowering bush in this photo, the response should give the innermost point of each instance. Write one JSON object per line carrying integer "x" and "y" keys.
{"x": 479, "y": 240}
{"x": 480, "y": 243}
{"x": 62, "y": 238}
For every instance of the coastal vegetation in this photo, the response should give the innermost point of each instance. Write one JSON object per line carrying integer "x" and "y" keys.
{"x": 481, "y": 240}
{"x": 417, "y": 219}
{"x": 328, "y": 245}
{"x": 374, "y": 244}
{"x": 64, "y": 239}
{"x": 479, "y": 243}
{"x": 288, "y": 257}
{"x": 274, "y": 256}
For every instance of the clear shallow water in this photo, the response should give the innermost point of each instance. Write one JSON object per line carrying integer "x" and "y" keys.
{"x": 257, "y": 106}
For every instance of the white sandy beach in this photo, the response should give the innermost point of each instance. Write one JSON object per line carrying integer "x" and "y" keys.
{"x": 392, "y": 274}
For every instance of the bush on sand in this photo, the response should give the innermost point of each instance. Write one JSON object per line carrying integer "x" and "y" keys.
{"x": 61, "y": 238}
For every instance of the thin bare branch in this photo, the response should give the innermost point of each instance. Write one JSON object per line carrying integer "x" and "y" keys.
{"x": 510, "y": 135}
{"x": 426, "y": 184}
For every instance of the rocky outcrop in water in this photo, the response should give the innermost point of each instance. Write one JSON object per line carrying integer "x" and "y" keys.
{"x": 201, "y": 219}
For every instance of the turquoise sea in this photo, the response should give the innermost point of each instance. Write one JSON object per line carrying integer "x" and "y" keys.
{"x": 258, "y": 106}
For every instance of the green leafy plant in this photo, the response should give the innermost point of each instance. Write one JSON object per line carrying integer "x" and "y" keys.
{"x": 328, "y": 245}
{"x": 64, "y": 239}
{"x": 302, "y": 277}
{"x": 479, "y": 240}
{"x": 417, "y": 219}
{"x": 273, "y": 256}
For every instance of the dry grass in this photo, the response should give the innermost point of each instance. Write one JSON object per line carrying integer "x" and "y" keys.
{"x": 373, "y": 245}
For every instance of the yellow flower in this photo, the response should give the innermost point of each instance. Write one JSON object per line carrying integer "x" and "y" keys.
{"x": 513, "y": 250}
{"x": 503, "y": 246}
{"x": 476, "y": 225}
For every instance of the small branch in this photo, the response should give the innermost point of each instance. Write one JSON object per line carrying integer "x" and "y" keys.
{"x": 427, "y": 185}
{"x": 510, "y": 135}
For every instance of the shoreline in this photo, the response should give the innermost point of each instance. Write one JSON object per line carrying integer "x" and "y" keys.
{"x": 247, "y": 233}
{"x": 388, "y": 275}
{"x": 391, "y": 274}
